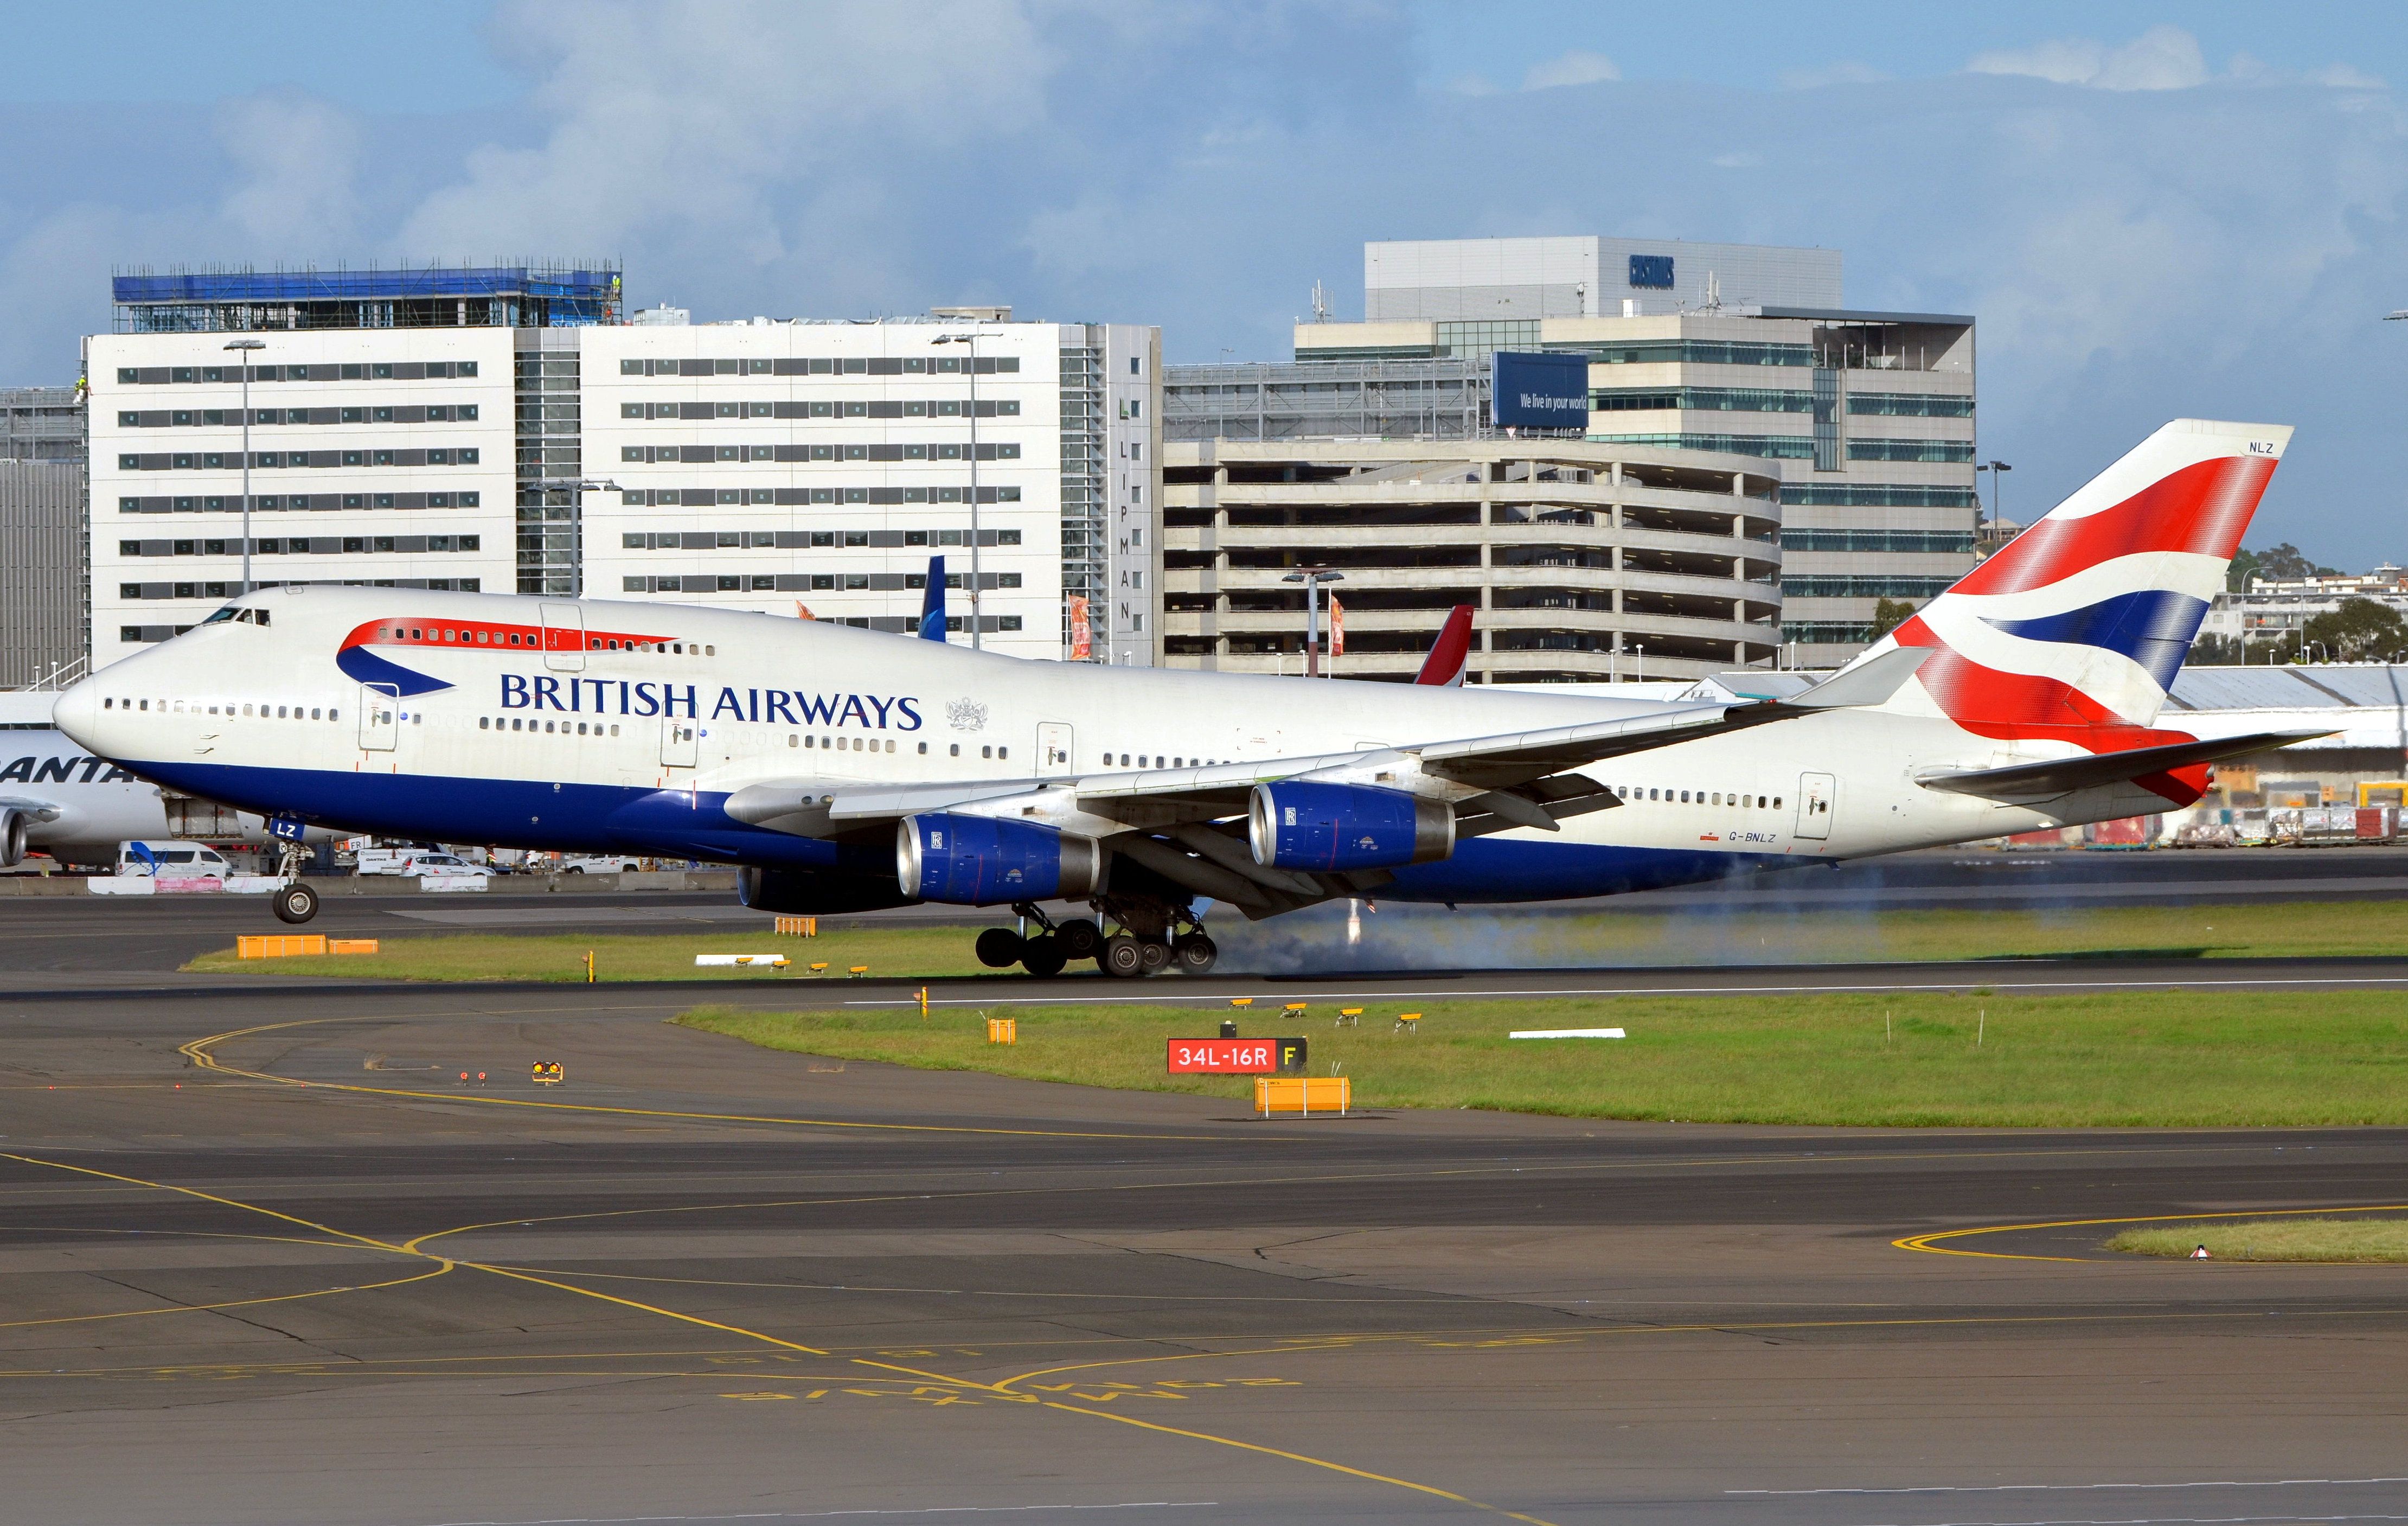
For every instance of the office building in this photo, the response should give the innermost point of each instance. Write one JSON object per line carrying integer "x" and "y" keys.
{"x": 44, "y": 542}
{"x": 1866, "y": 418}
{"x": 1587, "y": 562}
{"x": 502, "y": 430}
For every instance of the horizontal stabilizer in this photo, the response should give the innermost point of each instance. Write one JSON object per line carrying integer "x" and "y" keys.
{"x": 2046, "y": 781}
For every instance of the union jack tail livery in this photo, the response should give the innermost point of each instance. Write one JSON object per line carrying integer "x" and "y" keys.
{"x": 2075, "y": 630}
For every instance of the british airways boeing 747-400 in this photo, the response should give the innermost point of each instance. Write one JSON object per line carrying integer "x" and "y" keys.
{"x": 844, "y": 769}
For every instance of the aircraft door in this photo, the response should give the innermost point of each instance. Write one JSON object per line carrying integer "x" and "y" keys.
{"x": 564, "y": 638}
{"x": 1054, "y": 749}
{"x": 678, "y": 746}
{"x": 380, "y": 716}
{"x": 1815, "y": 792}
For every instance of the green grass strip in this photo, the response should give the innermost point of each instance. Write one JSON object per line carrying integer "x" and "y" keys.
{"x": 2276, "y": 1240}
{"x": 2142, "y": 1058}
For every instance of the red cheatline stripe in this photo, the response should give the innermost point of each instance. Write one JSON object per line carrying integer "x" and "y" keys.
{"x": 2202, "y": 508}
{"x": 392, "y": 632}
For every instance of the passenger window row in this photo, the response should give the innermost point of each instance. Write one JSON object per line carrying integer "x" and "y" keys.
{"x": 265, "y": 711}
{"x": 527, "y": 723}
{"x": 1682, "y": 797}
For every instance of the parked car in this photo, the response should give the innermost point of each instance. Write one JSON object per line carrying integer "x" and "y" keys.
{"x": 599, "y": 863}
{"x": 426, "y": 865}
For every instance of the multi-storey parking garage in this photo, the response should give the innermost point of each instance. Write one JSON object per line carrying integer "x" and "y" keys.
{"x": 1584, "y": 562}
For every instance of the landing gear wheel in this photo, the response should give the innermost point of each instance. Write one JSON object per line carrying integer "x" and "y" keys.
{"x": 1079, "y": 939}
{"x": 998, "y": 948}
{"x": 295, "y": 902}
{"x": 1155, "y": 954}
{"x": 1123, "y": 957}
{"x": 1194, "y": 952}
{"x": 1042, "y": 956}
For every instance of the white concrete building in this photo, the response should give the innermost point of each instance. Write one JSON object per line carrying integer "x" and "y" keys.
{"x": 379, "y": 456}
{"x": 808, "y": 466}
{"x": 427, "y": 429}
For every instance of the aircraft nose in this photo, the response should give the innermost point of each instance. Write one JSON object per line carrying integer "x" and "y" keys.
{"x": 78, "y": 715}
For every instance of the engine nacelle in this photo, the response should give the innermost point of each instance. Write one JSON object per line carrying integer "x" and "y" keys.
{"x": 988, "y": 861}
{"x": 1301, "y": 825}
{"x": 12, "y": 837}
{"x": 815, "y": 892}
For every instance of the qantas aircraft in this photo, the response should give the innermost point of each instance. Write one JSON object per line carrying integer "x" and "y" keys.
{"x": 846, "y": 770}
{"x": 56, "y": 797}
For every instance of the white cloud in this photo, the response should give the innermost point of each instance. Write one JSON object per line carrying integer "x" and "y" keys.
{"x": 299, "y": 157}
{"x": 698, "y": 120}
{"x": 2162, "y": 58}
{"x": 1577, "y": 67}
{"x": 2344, "y": 76}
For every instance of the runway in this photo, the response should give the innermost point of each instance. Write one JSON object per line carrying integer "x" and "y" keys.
{"x": 267, "y": 1262}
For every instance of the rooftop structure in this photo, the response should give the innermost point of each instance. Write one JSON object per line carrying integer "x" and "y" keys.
{"x": 1490, "y": 280}
{"x": 209, "y": 301}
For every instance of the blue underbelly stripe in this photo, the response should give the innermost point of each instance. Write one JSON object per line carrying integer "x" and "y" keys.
{"x": 613, "y": 818}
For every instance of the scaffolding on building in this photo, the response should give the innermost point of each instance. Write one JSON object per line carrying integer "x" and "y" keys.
{"x": 240, "y": 299}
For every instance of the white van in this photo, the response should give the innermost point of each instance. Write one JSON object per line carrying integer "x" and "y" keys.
{"x": 170, "y": 860}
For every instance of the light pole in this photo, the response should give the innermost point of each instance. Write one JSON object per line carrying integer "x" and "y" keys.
{"x": 1997, "y": 469}
{"x": 1313, "y": 578}
{"x": 972, "y": 340}
{"x": 576, "y": 487}
{"x": 246, "y": 346}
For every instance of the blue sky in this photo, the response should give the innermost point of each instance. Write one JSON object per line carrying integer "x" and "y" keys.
{"x": 2152, "y": 209}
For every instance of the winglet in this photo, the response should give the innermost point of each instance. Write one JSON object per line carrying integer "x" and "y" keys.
{"x": 932, "y": 603}
{"x": 1867, "y": 682}
{"x": 1443, "y": 666}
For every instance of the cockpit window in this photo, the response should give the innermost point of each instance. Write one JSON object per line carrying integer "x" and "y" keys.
{"x": 220, "y": 615}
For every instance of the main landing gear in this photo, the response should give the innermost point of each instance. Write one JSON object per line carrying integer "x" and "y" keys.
{"x": 1145, "y": 944}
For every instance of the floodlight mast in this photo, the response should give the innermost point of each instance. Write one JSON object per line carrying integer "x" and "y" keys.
{"x": 245, "y": 346}
{"x": 1313, "y": 578}
{"x": 972, "y": 338}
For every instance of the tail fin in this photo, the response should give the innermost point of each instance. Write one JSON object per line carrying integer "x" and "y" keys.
{"x": 1443, "y": 666}
{"x": 2075, "y": 630}
{"x": 932, "y": 603}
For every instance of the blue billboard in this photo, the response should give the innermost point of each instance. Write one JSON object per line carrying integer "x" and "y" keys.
{"x": 1539, "y": 391}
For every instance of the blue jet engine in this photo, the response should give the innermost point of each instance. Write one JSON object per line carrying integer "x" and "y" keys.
{"x": 1301, "y": 825}
{"x": 981, "y": 861}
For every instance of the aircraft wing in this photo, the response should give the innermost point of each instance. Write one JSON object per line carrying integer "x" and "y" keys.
{"x": 35, "y": 810}
{"x": 1536, "y": 768}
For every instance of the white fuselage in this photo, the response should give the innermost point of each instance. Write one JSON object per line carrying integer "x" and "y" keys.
{"x": 567, "y": 724}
